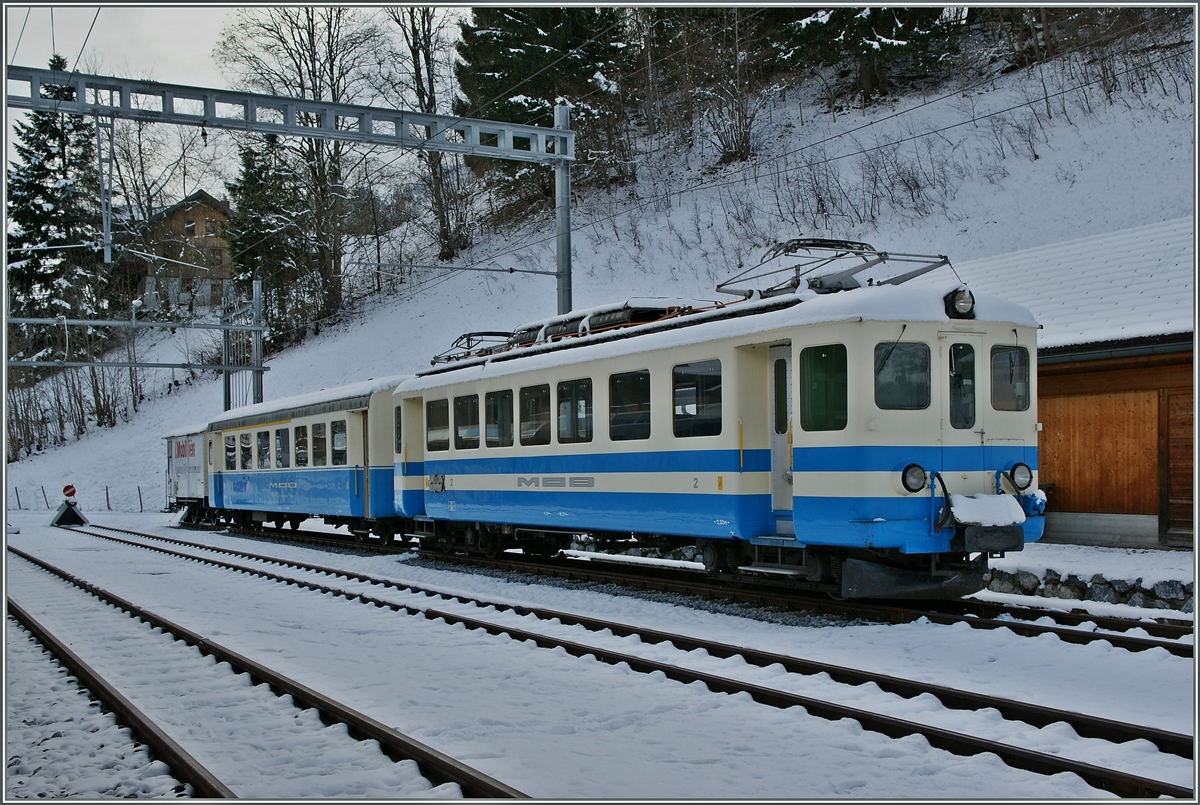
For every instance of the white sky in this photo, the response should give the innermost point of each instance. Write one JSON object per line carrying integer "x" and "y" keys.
{"x": 172, "y": 44}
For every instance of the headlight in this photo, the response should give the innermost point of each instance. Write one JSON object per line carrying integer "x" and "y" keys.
{"x": 913, "y": 477}
{"x": 960, "y": 304}
{"x": 1020, "y": 476}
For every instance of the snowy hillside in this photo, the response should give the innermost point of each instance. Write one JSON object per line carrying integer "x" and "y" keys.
{"x": 986, "y": 185}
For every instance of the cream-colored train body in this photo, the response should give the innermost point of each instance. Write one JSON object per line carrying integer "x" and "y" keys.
{"x": 806, "y": 439}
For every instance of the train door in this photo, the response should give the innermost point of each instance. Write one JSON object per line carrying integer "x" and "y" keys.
{"x": 366, "y": 466}
{"x": 963, "y": 423}
{"x": 780, "y": 357}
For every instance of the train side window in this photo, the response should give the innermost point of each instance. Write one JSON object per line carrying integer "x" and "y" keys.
{"x": 337, "y": 434}
{"x": 962, "y": 386}
{"x": 823, "y": 398}
{"x": 498, "y": 412}
{"x": 302, "y": 445}
{"x": 1010, "y": 378}
{"x": 466, "y": 422}
{"x": 697, "y": 398}
{"x": 247, "y": 451}
{"x": 396, "y": 433}
{"x": 283, "y": 447}
{"x": 264, "y": 449}
{"x": 318, "y": 445}
{"x": 231, "y": 452}
{"x": 535, "y": 415}
{"x": 575, "y": 411}
{"x": 437, "y": 425}
{"x": 902, "y": 376}
{"x": 629, "y": 406}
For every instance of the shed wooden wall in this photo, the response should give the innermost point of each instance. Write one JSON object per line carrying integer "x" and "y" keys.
{"x": 1117, "y": 437}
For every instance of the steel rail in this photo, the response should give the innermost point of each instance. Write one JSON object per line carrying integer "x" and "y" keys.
{"x": 1120, "y": 783}
{"x": 1036, "y": 715}
{"x": 437, "y": 767}
{"x": 162, "y": 746}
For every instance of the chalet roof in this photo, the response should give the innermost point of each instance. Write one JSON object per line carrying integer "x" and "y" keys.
{"x": 192, "y": 199}
{"x": 1124, "y": 285}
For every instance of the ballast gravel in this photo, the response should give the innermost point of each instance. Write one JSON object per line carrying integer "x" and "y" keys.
{"x": 61, "y": 743}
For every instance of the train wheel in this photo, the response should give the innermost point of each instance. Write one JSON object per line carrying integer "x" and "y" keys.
{"x": 492, "y": 545}
{"x": 385, "y": 536}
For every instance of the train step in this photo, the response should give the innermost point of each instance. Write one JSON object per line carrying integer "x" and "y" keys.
{"x": 792, "y": 571}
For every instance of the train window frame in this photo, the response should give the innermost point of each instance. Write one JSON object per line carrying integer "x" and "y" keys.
{"x": 779, "y": 401}
{"x": 301, "y": 444}
{"x": 629, "y": 406}
{"x": 495, "y": 405}
{"x": 963, "y": 388}
{"x": 231, "y": 454}
{"x": 466, "y": 417}
{"x": 576, "y": 423}
{"x": 283, "y": 454}
{"x": 245, "y": 451}
{"x": 263, "y": 445}
{"x": 1019, "y": 398}
{"x": 210, "y": 452}
{"x": 338, "y": 455}
{"x": 824, "y": 388}
{"x": 703, "y": 379}
{"x": 537, "y": 416}
{"x": 910, "y": 392}
{"x": 442, "y": 409}
{"x": 320, "y": 445}
{"x": 396, "y": 432}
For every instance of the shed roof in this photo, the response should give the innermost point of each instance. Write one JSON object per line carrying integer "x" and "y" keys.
{"x": 1133, "y": 283}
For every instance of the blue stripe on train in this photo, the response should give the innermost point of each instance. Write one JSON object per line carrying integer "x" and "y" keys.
{"x": 869, "y": 458}
{"x": 336, "y": 491}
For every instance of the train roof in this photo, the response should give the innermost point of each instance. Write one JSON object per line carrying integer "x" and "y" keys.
{"x": 196, "y": 429}
{"x": 884, "y": 303}
{"x": 338, "y": 398}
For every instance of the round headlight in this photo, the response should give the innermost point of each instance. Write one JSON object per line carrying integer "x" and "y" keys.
{"x": 964, "y": 301}
{"x": 1021, "y": 476}
{"x": 913, "y": 477}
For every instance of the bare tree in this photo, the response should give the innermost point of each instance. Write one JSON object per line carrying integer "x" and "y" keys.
{"x": 319, "y": 53}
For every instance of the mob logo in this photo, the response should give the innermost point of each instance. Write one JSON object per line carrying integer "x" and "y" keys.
{"x": 185, "y": 449}
{"x": 557, "y": 482}
{"x": 282, "y": 485}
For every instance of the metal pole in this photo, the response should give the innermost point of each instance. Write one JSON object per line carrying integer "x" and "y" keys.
{"x": 225, "y": 338}
{"x": 562, "y": 194}
{"x": 258, "y": 341}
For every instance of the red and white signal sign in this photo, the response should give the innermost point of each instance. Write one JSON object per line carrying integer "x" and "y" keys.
{"x": 69, "y": 491}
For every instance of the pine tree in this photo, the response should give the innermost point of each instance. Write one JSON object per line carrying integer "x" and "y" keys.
{"x": 53, "y": 267}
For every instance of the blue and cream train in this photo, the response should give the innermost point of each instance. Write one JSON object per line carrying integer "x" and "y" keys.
{"x": 810, "y": 439}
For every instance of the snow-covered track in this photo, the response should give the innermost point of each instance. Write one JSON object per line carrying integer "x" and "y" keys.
{"x": 436, "y": 766}
{"x": 184, "y": 766}
{"x": 1084, "y": 725}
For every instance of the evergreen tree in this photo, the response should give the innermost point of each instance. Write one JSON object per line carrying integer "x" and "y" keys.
{"x": 53, "y": 267}
{"x": 270, "y": 242}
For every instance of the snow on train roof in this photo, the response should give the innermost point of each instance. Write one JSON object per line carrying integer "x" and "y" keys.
{"x": 338, "y": 398}
{"x": 898, "y": 303}
{"x": 1133, "y": 283}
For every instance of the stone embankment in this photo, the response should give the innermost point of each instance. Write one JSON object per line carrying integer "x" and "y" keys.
{"x": 1160, "y": 595}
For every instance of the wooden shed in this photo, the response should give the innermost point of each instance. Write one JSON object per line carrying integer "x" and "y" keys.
{"x": 1116, "y": 379}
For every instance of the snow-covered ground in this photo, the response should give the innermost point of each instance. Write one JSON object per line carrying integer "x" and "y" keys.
{"x": 553, "y": 725}
{"x": 556, "y": 726}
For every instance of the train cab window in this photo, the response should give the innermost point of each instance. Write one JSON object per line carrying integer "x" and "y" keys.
{"x": 1010, "y": 378}
{"x": 210, "y": 452}
{"x": 246, "y": 450}
{"x": 231, "y": 452}
{"x": 629, "y": 406}
{"x": 498, "y": 415}
{"x": 535, "y": 415}
{"x": 396, "y": 433}
{"x": 902, "y": 376}
{"x": 466, "y": 422}
{"x": 823, "y": 398}
{"x": 264, "y": 449}
{"x": 437, "y": 425}
{"x": 283, "y": 447}
{"x": 337, "y": 435}
{"x": 697, "y": 398}
{"x": 962, "y": 386}
{"x": 302, "y": 445}
{"x": 575, "y": 411}
{"x": 318, "y": 444}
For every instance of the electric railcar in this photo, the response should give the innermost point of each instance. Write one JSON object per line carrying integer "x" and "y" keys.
{"x": 880, "y": 441}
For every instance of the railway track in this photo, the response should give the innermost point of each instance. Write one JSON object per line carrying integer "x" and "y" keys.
{"x": 1087, "y": 726}
{"x": 435, "y": 766}
{"x": 976, "y": 614}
